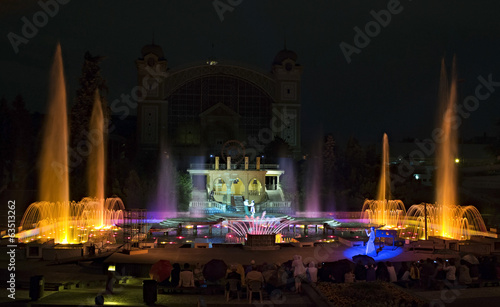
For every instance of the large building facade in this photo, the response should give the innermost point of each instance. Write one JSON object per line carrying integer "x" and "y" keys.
{"x": 197, "y": 110}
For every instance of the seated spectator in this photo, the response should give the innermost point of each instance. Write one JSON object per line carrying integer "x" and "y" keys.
{"x": 186, "y": 277}
{"x": 392, "y": 272}
{"x": 249, "y": 267}
{"x": 349, "y": 277}
{"x": 269, "y": 271}
{"x": 175, "y": 275}
{"x": 199, "y": 279}
{"x": 402, "y": 270}
{"x": 371, "y": 274}
{"x": 404, "y": 281}
{"x": 233, "y": 275}
{"x": 254, "y": 275}
{"x": 360, "y": 271}
{"x": 312, "y": 272}
{"x": 270, "y": 274}
{"x": 381, "y": 272}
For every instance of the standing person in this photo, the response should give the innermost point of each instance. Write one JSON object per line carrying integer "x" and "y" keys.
{"x": 427, "y": 273}
{"x": 392, "y": 272}
{"x": 414, "y": 274}
{"x": 247, "y": 205}
{"x": 252, "y": 208}
{"x": 370, "y": 245}
{"x": 186, "y": 277}
{"x": 464, "y": 274}
{"x": 312, "y": 272}
{"x": 451, "y": 271}
{"x": 299, "y": 272}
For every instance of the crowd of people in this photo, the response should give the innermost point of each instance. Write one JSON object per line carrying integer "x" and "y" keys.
{"x": 429, "y": 274}
{"x": 424, "y": 274}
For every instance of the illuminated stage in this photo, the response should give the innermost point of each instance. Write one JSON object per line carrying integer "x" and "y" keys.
{"x": 387, "y": 253}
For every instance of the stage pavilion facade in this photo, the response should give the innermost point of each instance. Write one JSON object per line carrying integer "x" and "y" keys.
{"x": 213, "y": 110}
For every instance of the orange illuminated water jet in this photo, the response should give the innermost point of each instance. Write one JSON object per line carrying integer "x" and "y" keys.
{"x": 55, "y": 217}
{"x": 446, "y": 218}
{"x": 383, "y": 210}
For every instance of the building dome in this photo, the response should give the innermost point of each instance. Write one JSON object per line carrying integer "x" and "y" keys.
{"x": 283, "y": 55}
{"x": 154, "y": 49}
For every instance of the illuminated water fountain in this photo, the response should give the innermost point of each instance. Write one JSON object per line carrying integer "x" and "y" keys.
{"x": 56, "y": 217}
{"x": 259, "y": 225}
{"x": 383, "y": 210}
{"x": 446, "y": 218}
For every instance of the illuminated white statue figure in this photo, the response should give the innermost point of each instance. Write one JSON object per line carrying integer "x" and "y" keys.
{"x": 370, "y": 245}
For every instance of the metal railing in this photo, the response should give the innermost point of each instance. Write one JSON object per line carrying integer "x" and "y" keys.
{"x": 223, "y": 166}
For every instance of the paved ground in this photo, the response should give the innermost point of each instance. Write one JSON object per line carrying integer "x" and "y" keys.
{"x": 326, "y": 253}
{"x": 130, "y": 293}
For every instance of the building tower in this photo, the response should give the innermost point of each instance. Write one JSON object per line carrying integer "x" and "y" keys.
{"x": 152, "y": 107}
{"x": 286, "y": 108}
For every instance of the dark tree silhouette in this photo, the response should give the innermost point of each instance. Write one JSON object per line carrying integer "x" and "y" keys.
{"x": 90, "y": 81}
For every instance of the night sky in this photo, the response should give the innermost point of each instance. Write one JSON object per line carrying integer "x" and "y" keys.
{"x": 390, "y": 86}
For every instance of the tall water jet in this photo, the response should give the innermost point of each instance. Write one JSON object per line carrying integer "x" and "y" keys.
{"x": 97, "y": 158}
{"x": 54, "y": 216}
{"x": 383, "y": 210}
{"x": 96, "y": 161}
{"x": 446, "y": 218}
{"x": 313, "y": 183}
{"x": 165, "y": 203}
{"x": 53, "y": 177}
{"x": 384, "y": 186}
{"x": 288, "y": 183}
{"x": 446, "y": 152}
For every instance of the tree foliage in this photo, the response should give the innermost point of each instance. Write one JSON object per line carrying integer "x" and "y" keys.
{"x": 184, "y": 190}
{"x": 81, "y": 112}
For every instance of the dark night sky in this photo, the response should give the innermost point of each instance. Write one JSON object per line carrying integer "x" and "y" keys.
{"x": 391, "y": 86}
